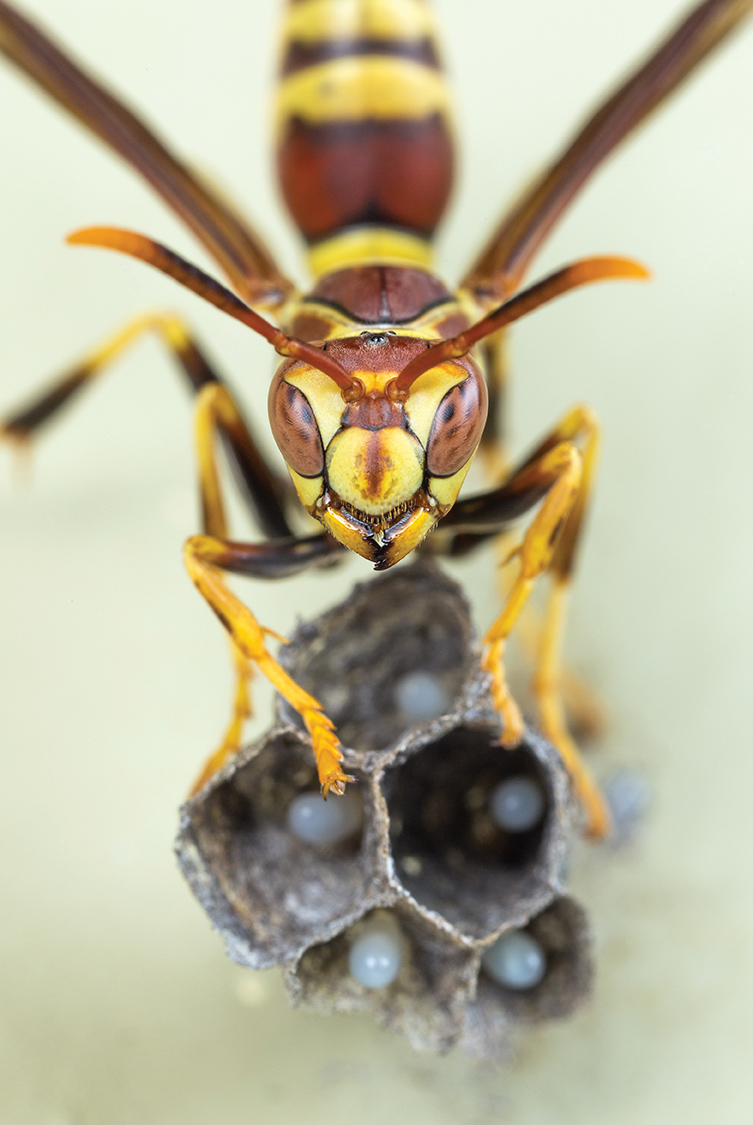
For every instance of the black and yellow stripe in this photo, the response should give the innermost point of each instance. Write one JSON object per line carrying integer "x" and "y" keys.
{"x": 365, "y": 153}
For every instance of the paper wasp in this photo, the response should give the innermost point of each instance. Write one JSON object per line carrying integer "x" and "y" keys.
{"x": 379, "y": 405}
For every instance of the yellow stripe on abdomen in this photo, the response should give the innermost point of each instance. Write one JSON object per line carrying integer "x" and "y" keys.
{"x": 312, "y": 21}
{"x": 373, "y": 87}
{"x": 363, "y": 123}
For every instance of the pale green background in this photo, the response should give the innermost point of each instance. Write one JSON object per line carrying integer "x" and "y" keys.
{"x": 117, "y": 1003}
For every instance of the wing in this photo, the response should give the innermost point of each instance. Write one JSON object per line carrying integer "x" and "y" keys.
{"x": 501, "y": 267}
{"x": 231, "y": 242}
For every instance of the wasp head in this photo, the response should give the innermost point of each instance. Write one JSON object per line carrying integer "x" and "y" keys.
{"x": 376, "y": 466}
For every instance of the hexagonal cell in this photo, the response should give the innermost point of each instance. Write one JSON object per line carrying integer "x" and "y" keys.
{"x": 450, "y": 854}
{"x": 431, "y": 849}
{"x": 268, "y": 892}
{"x": 396, "y": 654}
{"x": 562, "y": 933}
{"x": 427, "y": 1000}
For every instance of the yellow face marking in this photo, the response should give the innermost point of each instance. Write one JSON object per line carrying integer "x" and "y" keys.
{"x": 355, "y": 88}
{"x": 445, "y": 489}
{"x": 367, "y": 246}
{"x": 314, "y": 21}
{"x": 375, "y": 470}
{"x": 426, "y": 394}
{"x": 309, "y": 489}
{"x": 324, "y": 397}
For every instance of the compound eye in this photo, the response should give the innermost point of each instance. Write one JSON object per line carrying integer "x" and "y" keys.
{"x": 457, "y": 427}
{"x": 294, "y": 428}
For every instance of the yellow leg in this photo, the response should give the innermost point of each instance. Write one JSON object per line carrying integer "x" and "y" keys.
{"x": 582, "y": 423}
{"x": 561, "y": 469}
{"x": 583, "y": 706}
{"x": 21, "y": 425}
{"x": 584, "y": 709}
{"x": 550, "y": 545}
{"x": 248, "y": 638}
{"x": 546, "y": 687}
{"x": 214, "y": 409}
{"x": 263, "y": 488}
{"x": 242, "y": 710}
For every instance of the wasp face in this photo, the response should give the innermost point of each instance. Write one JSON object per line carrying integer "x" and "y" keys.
{"x": 377, "y": 472}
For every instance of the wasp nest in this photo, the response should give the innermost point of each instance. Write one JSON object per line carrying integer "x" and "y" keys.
{"x": 432, "y": 893}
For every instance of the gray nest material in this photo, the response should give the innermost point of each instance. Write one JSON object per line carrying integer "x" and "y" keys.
{"x": 427, "y": 850}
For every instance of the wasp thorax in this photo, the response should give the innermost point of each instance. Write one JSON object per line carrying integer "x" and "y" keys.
{"x": 378, "y": 471}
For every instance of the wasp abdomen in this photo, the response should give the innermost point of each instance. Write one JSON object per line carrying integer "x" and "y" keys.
{"x": 364, "y": 143}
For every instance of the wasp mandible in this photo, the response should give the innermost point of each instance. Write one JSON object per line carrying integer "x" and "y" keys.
{"x": 390, "y": 381}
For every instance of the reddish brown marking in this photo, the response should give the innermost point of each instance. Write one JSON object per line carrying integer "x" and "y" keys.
{"x": 375, "y": 411}
{"x": 457, "y": 427}
{"x": 375, "y": 352}
{"x": 381, "y": 294}
{"x": 308, "y": 326}
{"x": 294, "y": 428}
{"x": 375, "y": 464}
{"x": 341, "y": 174}
{"x": 452, "y": 325}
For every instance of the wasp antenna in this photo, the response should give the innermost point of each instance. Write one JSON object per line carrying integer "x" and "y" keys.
{"x": 187, "y": 274}
{"x": 562, "y": 281}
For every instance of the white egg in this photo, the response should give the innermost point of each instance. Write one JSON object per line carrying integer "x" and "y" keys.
{"x": 323, "y": 823}
{"x": 420, "y": 696}
{"x": 517, "y": 804}
{"x": 376, "y": 954}
{"x": 516, "y": 960}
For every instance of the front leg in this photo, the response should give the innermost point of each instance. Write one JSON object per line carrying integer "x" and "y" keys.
{"x": 205, "y": 557}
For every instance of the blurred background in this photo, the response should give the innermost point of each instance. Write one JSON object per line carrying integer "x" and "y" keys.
{"x": 117, "y": 1004}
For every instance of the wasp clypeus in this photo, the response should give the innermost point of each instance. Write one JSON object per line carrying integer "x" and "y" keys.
{"x": 390, "y": 382}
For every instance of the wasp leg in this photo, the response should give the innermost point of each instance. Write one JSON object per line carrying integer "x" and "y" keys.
{"x": 552, "y": 677}
{"x": 205, "y": 556}
{"x": 582, "y": 704}
{"x": 552, "y": 686}
{"x": 560, "y": 476}
{"x": 559, "y": 470}
{"x": 586, "y": 712}
{"x": 580, "y": 423}
{"x": 216, "y": 411}
{"x": 261, "y": 488}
